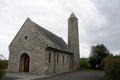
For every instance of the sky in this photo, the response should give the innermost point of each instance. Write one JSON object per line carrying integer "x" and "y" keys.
{"x": 98, "y": 21}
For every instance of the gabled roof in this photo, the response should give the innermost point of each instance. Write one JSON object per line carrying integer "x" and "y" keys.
{"x": 52, "y": 40}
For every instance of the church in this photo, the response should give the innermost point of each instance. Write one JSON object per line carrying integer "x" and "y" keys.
{"x": 35, "y": 50}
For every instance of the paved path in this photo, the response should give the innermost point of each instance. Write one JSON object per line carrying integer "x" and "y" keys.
{"x": 21, "y": 76}
{"x": 79, "y": 75}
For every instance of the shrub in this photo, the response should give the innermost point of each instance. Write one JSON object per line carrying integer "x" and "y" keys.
{"x": 2, "y": 72}
{"x": 112, "y": 68}
{"x": 3, "y": 67}
{"x": 84, "y": 63}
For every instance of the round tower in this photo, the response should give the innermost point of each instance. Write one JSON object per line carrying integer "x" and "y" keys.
{"x": 73, "y": 39}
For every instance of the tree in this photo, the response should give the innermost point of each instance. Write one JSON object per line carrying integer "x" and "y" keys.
{"x": 97, "y": 54}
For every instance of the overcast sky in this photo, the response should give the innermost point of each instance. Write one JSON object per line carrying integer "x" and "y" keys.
{"x": 98, "y": 21}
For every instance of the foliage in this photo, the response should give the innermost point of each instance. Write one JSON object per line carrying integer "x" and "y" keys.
{"x": 84, "y": 64}
{"x": 112, "y": 68}
{"x": 97, "y": 54}
{"x": 3, "y": 67}
{"x": 3, "y": 64}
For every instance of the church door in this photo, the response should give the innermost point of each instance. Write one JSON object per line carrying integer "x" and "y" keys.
{"x": 24, "y": 63}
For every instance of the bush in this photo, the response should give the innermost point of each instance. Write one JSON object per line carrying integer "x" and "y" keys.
{"x": 84, "y": 63}
{"x": 112, "y": 68}
{"x": 3, "y": 67}
{"x": 2, "y": 72}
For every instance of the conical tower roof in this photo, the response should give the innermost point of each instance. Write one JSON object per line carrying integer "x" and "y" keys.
{"x": 72, "y": 16}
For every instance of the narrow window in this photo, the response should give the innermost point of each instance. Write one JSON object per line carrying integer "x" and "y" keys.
{"x": 63, "y": 58}
{"x": 49, "y": 58}
{"x": 68, "y": 58}
{"x": 57, "y": 58}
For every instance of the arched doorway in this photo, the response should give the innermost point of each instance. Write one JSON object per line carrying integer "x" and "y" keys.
{"x": 24, "y": 63}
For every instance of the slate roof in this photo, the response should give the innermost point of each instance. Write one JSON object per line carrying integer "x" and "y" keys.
{"x": 52, "y": 40}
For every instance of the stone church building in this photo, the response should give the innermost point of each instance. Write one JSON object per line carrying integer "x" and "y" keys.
{"x": 36, "y": 50}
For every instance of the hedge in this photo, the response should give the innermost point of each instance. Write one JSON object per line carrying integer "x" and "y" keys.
{"x": 112, "y": 68}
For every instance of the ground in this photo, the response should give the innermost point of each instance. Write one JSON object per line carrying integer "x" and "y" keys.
{"x": 78, "y": 75}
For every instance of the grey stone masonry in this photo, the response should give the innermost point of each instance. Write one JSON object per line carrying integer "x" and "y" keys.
{"x": 34, "y": 46}
{"x": 73, "y": 39}
{"x": 35, "y": 50}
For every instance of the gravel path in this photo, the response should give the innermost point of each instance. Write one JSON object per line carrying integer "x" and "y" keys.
{"x": 78, "y": 75}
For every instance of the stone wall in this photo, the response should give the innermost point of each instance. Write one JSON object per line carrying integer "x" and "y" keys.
{"x": 60, "y": 66}
{"x": 33, "y": 45}
{"x": 28, "y": 40}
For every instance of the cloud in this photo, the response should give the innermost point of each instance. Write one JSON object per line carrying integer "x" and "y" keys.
{"x": 110, "y": 30}
{"x": 98, "y": 20}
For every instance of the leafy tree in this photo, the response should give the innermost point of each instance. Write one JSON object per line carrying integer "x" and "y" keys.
{"x": 97, "y": 54}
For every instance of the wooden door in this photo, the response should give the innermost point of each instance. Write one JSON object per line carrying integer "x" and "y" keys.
{"x": 26, "y": 64}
